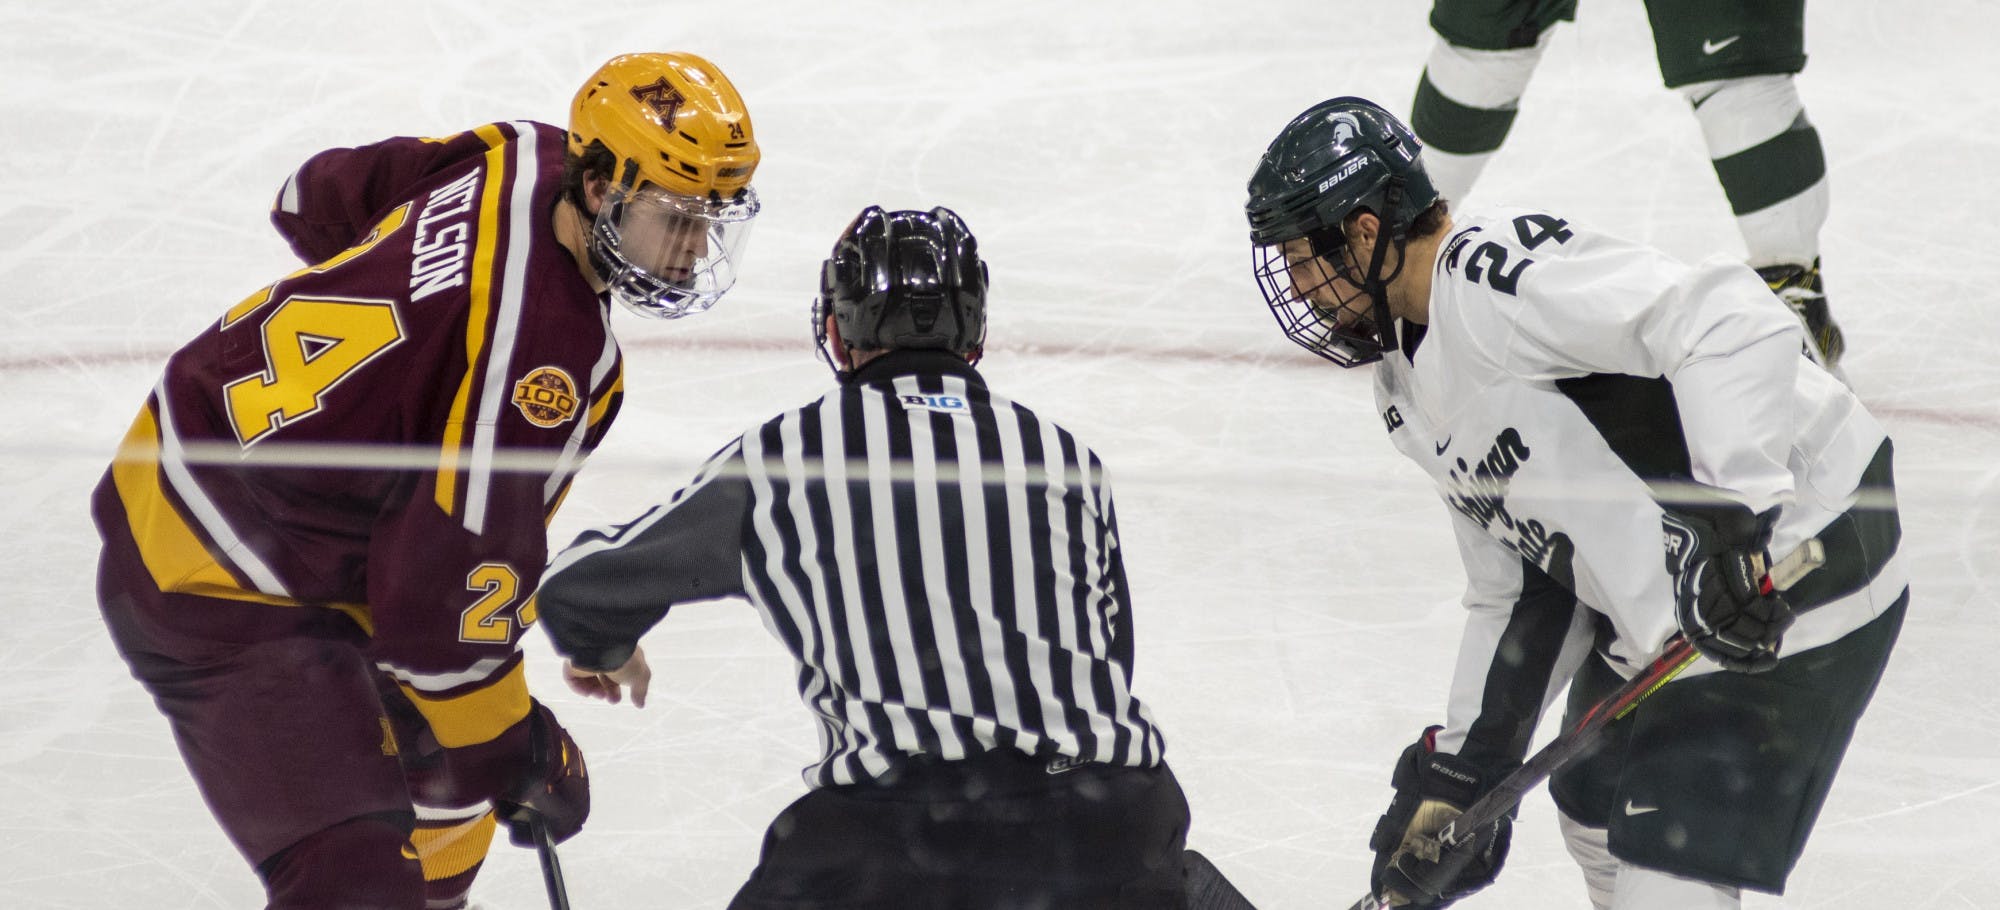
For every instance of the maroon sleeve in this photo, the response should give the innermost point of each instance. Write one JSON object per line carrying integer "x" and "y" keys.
{"x": 338, "y": 195}
{"x": 520, "y": 387}
{"x": 451, "y": 595}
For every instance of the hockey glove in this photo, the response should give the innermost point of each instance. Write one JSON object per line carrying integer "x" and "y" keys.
{"x": 556, "y": 787}
{"x": 1431, "y": 790}
{"x": 1723, "y": 597}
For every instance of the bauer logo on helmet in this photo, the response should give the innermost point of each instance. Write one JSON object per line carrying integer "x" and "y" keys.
{"x": 1346, "y": 171}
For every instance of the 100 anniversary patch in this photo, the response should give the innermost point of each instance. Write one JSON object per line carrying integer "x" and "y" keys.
{"x": 546, "y": 396}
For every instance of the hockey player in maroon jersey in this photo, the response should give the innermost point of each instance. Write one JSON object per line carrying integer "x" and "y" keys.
{"x": 333, "y": 637}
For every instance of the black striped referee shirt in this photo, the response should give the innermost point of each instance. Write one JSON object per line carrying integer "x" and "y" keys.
{"x": 942, "y": 563}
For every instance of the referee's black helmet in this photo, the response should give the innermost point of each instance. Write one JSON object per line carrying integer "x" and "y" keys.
{"x": 904, "y": 280}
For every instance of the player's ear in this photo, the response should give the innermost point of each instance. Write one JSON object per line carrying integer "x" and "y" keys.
{"x": 596, "y": 186}
{"x": 837, "y": 348}
{"x": 1363, "y": 228}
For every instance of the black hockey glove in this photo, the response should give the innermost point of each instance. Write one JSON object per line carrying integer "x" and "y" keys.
{"x": 1431, "y": 790}
{"x": 555, "y": 787}
{"x": 1723, "y": 597}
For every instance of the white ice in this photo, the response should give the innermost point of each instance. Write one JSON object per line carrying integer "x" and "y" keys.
{"x": 1296, "y": 587}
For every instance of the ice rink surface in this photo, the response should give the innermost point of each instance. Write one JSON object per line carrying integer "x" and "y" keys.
{"x": 1295, "y": 582}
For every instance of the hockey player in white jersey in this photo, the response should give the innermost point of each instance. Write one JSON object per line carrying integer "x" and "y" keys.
{"x": 1571, "y": 395}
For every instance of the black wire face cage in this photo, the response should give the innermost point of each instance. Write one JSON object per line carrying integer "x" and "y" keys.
{"x": 1320, "y": 304}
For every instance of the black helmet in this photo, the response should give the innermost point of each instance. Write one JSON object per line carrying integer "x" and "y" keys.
{"x": 1339, "y": 157}
{"x": 904, "y": 280}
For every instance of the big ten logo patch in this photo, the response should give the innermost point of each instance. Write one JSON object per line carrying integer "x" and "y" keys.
{"x": 546, "y": 396}
{"x": 943, "y": 404}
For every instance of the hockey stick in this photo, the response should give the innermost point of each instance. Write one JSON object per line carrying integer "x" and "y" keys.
{"x": 520, "y": 815}
{"x": 1587, "y": 729}
{"x": 1207, "y": 888}
{"x": 545, "y": 848}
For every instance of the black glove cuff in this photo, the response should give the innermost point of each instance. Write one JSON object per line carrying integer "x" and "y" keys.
{"x": 1424, "y": 773}
{"x": 1450, "y": 779}
{"x": 1410, "y": 764}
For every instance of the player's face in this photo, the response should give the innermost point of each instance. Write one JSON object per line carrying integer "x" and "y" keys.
{"x": 659, "y": 236}
{"x": 1325, "y": 283}
{"x": 667, "y": 255}
{"x": 1318, "y": 301}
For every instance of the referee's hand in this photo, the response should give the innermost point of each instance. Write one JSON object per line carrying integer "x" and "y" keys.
{"x": 610, "y": 685}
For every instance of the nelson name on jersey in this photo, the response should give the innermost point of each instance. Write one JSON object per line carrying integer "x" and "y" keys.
{"x": 438, "y": 258}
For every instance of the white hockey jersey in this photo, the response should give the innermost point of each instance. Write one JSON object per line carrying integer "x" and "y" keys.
{"x": 1565, "y": 382}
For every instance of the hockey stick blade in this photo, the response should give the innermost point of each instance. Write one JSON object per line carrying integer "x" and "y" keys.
{"x": 1584, "y": 733}
{"x": 1207, "y": 888}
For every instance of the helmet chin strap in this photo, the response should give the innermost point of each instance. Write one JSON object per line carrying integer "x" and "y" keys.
{"x": 834, "y": 351}
{"x": 1376, "y": 286}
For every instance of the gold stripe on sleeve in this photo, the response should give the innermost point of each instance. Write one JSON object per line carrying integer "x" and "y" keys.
{"x": 476, "y": 716}
{"x": 606, "y": 397}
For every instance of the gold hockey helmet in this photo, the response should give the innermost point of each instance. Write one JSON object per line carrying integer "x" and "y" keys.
{"x": 669, "y": 236}
{"x": 675, "y": 115}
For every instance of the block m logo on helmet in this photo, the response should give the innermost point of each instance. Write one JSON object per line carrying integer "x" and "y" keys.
{"x": 666, "y": 101}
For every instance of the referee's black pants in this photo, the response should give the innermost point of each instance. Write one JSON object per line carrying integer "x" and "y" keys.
{"x": 997, "y": 830}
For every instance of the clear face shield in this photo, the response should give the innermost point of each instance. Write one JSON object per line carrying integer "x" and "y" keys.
{"x": 664, "y": 255}
{"x": 1319, "y": 301}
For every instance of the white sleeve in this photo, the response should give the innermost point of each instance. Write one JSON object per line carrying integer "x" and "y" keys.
{"x": 1492, "y": 582}
{"x": 1524, "y": 638}
{"x": 1598, "y": 304}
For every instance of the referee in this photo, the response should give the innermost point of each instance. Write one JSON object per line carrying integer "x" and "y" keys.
{"x": 944, "y": 565}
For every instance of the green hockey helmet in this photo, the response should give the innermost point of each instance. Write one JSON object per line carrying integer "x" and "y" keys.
{"x": 1341, "y": 156}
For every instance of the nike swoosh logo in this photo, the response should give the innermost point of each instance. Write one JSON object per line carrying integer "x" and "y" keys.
{"x": 1639, "y": 810}
{"x": 1710, "y": 47}
{"x": 1063, "y": 764}
{"x": 1443, "y": 445}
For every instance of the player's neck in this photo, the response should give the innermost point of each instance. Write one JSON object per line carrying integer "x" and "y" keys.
{"x": 1410, "y": 293}
{"x": 573, "y": 232}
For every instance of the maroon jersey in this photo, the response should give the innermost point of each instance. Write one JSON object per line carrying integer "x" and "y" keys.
{"x": 387, "y": 430}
